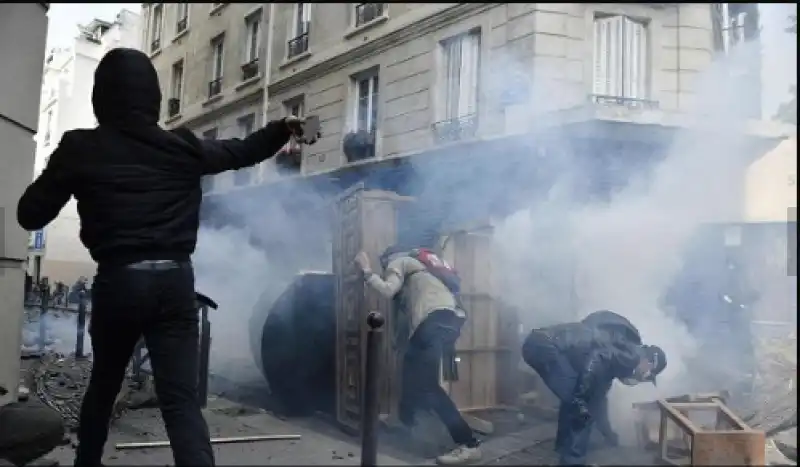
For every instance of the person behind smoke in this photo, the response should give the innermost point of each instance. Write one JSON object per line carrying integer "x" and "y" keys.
{"x": 138, "y": 189}
{"x": 579, "y": 362}
{"x": 435, "y": 325}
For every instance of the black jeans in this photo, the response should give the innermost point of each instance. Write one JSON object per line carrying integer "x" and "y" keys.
{"x": 572, "y": 436}
{"x": 421, "y": 370}
{"x": 159, "y": 305}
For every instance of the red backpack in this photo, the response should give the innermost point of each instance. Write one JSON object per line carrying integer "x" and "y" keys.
{"x": 439, "y": 268}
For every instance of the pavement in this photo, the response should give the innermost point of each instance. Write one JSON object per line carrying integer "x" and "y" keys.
{"x": 228, "y": 419}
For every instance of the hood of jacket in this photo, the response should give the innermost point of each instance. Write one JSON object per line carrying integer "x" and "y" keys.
{"x": 126, "y": 90}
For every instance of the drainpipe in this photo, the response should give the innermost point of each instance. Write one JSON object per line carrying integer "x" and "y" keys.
{"x": 268, "y": 59}
{"x": 678, "y": 61}
{"x": 267, "y": 76}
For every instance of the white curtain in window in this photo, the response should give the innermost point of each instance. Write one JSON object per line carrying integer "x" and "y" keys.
{"x": 634, "y": 59}
{"x": 461, "y": 70}
{"x": 620, "y": 57}
{"x": 470, "y": 66}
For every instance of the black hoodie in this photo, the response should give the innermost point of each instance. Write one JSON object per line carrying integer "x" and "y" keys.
{"x": 137, "y": 185}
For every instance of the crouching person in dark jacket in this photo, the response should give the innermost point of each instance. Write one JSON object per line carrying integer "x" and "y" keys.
{"x": 579, "y": 362}
{"x": 138, "y": 189}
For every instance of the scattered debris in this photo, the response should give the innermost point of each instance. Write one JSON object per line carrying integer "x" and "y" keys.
{"x": 232, "y": 439}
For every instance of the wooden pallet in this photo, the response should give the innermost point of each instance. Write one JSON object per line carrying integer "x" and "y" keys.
{"x": 728, "y": 441}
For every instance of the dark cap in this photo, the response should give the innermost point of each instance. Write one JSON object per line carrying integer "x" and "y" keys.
{"x": 657, "y": 358}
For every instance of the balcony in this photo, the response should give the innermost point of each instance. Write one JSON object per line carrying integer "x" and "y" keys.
{"x": 456, "y": 129}
{"x": 297, "y": 46}
{"x": 214, "y": 87}
{"x": 618, "y": 101}
{"x": 250, "y": 69}
{"x": 155, "y": 45}
{"x": 181, "y": 25}
{"x": 173, "y": 106}
{"x": 366, "y": 12}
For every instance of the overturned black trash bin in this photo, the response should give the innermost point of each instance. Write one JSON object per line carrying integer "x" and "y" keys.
{"x": 140, "y": 356}
{"x": 294, "y": 343}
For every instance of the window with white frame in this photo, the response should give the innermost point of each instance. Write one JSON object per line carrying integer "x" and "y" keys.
{"x": 182, "y": 17}
{"x": 298, "y": 42}
{"x": 246, "y": 125}
{"x": 620, "y": 57}
{"x": 253, "y": 37}
{"x": 156, "y": 20}
{"x": 460, "y": 75}
{"x": 365, "y": 111}
{"x": 176, "y": 89}
{"x": 296, "y": 106}
{"x": 302, "y": 18}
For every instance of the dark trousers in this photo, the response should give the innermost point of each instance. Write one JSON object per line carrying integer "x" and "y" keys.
{"x": 421, "y": 370}
{"x": 572, "y": 436}
{"x": 159, "y": 305}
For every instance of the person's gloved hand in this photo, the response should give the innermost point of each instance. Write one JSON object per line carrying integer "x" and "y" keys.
{"x": 581, "y": 410}
{"x": 297, "y": 127}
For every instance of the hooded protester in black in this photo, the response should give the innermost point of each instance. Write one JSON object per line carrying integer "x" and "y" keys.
{"x": 138, "y": 192}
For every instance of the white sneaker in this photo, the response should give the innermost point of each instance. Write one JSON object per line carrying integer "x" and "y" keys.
{"x": 460, "y": 456}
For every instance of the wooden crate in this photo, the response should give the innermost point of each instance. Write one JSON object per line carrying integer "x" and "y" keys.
{"x": 488, "y": 349}
{"x": 364, "y": 220}
{"x": 727, "y": 441}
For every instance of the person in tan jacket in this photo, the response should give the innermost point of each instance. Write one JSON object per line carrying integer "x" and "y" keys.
{"x": 436, "y": 320}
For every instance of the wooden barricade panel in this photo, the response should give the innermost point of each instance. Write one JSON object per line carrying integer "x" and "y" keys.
{"x": 364, "y": 221}
{"x": 488, "y": 348}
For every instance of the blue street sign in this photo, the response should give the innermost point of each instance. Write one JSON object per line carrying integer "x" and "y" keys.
{"x": 38, "y": 240}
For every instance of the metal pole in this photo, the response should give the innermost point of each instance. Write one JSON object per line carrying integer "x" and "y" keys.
{"x": 233, "y": 439}
{"x": 205, "y": 350}
{"x": 370, "y": 411}
{"x": 81, "y": 324}
{"x": 45, "y": 294}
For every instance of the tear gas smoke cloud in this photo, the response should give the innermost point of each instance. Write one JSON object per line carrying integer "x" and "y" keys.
{"x": 557, "y": 254}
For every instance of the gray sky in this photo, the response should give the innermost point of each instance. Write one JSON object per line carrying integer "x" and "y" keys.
{"x": 780, "y": 48}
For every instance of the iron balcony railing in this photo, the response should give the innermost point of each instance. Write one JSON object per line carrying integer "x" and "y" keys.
{"x": 155, "y": 45}
{"x": 630, "y": 102}
{"x": 181, "y": 26}
{"x": 366, "y": 12}
{"x": 298, "y": 45}
{"x": 173, "y": 106}
{"x": 249, "y": 69}
{"x": 215, "y": 87}
{"x": 456, "y": 129}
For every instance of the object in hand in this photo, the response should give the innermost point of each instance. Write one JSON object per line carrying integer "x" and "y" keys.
{"x": 304, "y": 130}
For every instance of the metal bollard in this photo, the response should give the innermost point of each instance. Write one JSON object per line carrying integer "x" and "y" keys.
{"x": 369, "y": 415}
{"x": 45, "y": 294}
{"x": 205, "y": 350}
{"x": 81, "y": 324}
